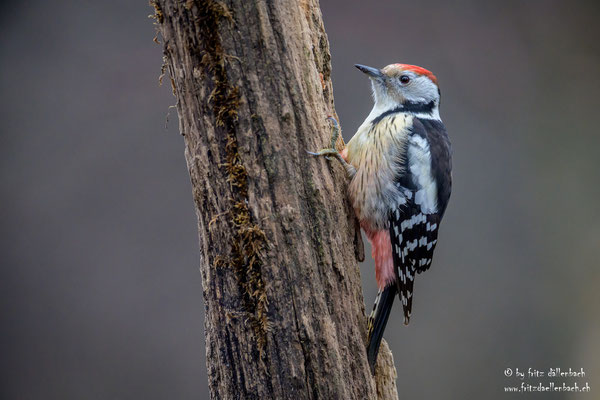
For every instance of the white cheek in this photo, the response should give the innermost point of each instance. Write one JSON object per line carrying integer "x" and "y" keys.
{"x": 421, "y": 90}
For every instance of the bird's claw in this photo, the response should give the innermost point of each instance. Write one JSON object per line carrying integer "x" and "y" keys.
{"x": 330, "y": 151}
{"x": 335, "y": 132}
{"x": 325, "y": 152}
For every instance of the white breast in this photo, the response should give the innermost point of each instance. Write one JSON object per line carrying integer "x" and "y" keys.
{"x": 376, "y": 153}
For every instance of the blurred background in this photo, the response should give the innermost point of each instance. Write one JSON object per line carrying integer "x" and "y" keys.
{"x": 101, "y": 292}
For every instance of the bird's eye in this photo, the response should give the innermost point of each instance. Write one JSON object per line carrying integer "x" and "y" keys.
{"x": 404, "y": 79}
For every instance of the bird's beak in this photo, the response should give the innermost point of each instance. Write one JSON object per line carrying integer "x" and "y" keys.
{"x": 372, "y": 72}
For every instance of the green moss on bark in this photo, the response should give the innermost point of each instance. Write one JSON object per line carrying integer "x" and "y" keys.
{"x": 248, "y": 241}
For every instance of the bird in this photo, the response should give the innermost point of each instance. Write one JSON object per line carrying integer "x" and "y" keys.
{"x": 400, "y": 167}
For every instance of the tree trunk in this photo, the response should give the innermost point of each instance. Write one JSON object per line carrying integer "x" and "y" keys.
{"x": 279, "y": 242}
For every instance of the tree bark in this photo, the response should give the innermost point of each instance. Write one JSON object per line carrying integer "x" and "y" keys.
{"x": 279, "y": 241}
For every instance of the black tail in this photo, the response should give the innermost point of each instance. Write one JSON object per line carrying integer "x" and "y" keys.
{"x": 378, "y": 320}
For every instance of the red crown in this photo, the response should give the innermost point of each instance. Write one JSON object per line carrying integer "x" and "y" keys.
{"x": 418, "y": 70}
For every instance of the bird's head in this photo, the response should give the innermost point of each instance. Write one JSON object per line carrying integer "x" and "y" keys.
{"x": 404, "y": 85}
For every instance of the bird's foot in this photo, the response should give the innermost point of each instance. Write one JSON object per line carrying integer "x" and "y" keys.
{"x": 332, "y": 151}
{"x": 335, "y": 131}
{"x": 325, "y": 152}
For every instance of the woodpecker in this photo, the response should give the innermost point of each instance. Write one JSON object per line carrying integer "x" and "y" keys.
{"x": 399, "y": 164}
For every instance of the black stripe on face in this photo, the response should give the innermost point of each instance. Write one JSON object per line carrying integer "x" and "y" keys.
{"x": 410, "y": 107}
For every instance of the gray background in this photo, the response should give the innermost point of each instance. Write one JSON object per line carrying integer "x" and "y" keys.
{"x": 101, "y": 294}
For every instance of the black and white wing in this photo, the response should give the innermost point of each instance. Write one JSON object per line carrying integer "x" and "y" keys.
{"x": 426, "y": 182}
